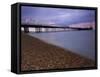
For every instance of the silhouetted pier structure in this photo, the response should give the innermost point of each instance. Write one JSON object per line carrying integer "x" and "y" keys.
{"x": 38, "y": 28}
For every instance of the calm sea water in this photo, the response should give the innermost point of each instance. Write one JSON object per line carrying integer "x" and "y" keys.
{"x": 80, "y": 42}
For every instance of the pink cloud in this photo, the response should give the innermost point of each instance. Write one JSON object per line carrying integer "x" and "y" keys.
{"x": 84, "y": 25}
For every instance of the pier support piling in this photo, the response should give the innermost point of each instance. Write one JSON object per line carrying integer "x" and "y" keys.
{"x": 26, "y": 29}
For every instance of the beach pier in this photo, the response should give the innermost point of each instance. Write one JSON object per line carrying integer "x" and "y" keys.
{"x": 49, "y": 28}
{"x": 38, "y": 29}
{"x": 26, "y": 29}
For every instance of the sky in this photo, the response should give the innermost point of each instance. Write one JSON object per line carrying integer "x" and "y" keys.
{"x": 55, "y": 16}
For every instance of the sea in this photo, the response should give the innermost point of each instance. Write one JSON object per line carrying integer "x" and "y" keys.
{"x": 81, "y": 42}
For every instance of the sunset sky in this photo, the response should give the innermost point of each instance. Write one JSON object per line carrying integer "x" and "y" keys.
{"x": 55, "y": 16}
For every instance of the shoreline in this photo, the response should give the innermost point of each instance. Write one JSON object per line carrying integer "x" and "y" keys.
{"x": 39, "y": 55}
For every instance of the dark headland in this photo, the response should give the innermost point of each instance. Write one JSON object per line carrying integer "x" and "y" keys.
{"x": 38, "y": 55}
